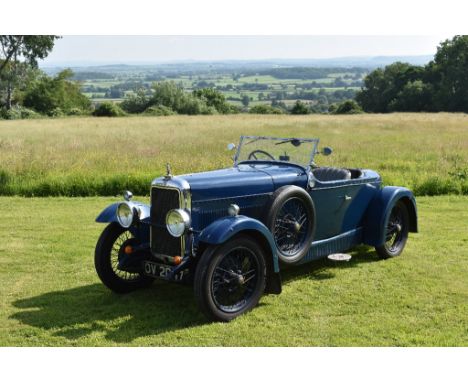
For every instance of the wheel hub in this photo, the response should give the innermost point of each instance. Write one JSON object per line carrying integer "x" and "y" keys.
{"x": 240, "y": 279}
{"x": 297, "y": 227}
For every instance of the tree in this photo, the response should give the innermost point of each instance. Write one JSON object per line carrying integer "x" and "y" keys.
{"x": 13, "y": 48}
{"x": 347, "y": 107}
{"x": 48, "y": 95}
{"x": 300, "y": 108}
{"x": 136, "y": 103}
{"x": 14, "y": 81}
{"x": 114, "y": 92}
{"x": 448, "y": 73}
{"x": 265, "y": 109}
{"x": 415, "y": 96}
{"x": 245, "y": 100}
{"x": 108, "y": 109}
{"x": 382, "y": 86}
{"x": 173, "y": 96}
{"x": 214, "y": 98}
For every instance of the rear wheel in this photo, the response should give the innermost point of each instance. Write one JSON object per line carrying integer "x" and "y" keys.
{"x": 230, "y": 278}
{"x": 396, "y": 232}
{"x": 110, "y": 255}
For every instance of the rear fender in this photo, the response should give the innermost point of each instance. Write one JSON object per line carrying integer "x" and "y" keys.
{"x": 225, "y": 228}
{"x": 378, "y": 213}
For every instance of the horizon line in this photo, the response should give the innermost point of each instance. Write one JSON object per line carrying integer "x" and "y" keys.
{"x": 188, "y": 60}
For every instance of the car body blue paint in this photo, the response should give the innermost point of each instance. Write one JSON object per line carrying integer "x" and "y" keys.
{"x": 223, "y": 229}
{"x": 339, "y": 243}
{"x": 108, "y": 214}
{"x": 355, "y": 209}
{"x": 283, "y": 174}
{"x": 378, "y": 212}
{"x": 341, "y": 204}
{"x": 228, "y": 182}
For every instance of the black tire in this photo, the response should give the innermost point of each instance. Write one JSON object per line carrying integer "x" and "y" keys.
{"x": 224, "y": 294}
{"x": 396, "y": 233}
{"x": 292, "y": 239}
{"x": 108, "y": 247}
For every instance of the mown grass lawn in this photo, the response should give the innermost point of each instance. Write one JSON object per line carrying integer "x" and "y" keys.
{"x": 50, "y": 295}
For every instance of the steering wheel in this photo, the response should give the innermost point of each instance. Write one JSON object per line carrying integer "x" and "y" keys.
{"x": 253, "y": 155}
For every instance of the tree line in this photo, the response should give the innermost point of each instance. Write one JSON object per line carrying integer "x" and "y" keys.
{"x": 305, "y": 73}
{"x": 25, "y": 91}
{"x": 441, "y": 85}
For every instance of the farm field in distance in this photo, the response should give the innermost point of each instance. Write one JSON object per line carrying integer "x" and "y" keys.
{"x": 262, "y": 83}
{"x": 51, "y": 296}
{"x": 86, "y": 156}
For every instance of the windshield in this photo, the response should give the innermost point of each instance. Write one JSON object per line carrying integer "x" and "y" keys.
{"x": 294, "y": 150}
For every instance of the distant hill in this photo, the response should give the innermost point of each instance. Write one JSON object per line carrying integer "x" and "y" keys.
{"x": 234, "y": 65}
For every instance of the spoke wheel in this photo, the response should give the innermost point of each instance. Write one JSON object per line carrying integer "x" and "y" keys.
{"x": 234, "y": 279}
{"x": 110, "y": 256}
{"x": 291, "y": 220}
{"x": 291, "y": 226}
{"x": 117, "y": 256}
{"x": 230, "y": 278}
{"x": 396, "y": 232}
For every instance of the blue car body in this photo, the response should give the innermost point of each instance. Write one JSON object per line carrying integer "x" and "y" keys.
{"x": 348, "y": 212}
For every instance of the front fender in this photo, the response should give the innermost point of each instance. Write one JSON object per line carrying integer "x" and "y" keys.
{"x": 140, "y": 231}
{"x": 109, "y": 214}
{"x": 223, "y": 229}
{"x": 378, "y": 213}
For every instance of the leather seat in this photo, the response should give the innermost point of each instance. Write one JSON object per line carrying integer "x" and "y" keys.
{"x": 328, "y": 174}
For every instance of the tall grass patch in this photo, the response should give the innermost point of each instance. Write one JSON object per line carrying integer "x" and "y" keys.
{"x": 84, "y": 156}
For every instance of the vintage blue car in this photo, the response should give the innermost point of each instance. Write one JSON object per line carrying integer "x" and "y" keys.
{"x": 229, "y": 232}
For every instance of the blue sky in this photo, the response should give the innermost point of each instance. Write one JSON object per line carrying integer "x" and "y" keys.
{"x": 151, "y": 49}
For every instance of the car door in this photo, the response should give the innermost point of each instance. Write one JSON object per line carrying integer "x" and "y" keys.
{"x": 331, "y": 200}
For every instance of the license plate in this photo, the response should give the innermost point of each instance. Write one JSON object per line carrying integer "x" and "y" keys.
{"x": 156, "y": 270}
{"x": 161, "y": 271}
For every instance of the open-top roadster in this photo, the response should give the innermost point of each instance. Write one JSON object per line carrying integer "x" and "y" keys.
{"x": 228, "y": 232}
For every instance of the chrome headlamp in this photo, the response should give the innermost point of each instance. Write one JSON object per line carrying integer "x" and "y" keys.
{"x": 125, "y": 215}
{"x": 177, "y": 222}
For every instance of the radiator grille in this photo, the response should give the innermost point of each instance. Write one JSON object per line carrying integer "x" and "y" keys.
{"x": 162, "y": 242}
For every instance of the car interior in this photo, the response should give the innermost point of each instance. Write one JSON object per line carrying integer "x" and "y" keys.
{"x": 330, "y": 174}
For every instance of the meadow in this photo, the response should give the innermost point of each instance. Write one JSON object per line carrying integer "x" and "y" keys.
{"x": 51, "y": 296}
{"x": 86, "y": 156}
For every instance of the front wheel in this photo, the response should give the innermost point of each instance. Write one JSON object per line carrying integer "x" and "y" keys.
{"x": 230, "y": 278}
{"x": 396, "y": 232}
{"x": 109, "y": 257}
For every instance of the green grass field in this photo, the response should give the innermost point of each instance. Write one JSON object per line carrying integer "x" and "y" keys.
{"x": 51, "y": 296}
{"x": 103, "y": 156}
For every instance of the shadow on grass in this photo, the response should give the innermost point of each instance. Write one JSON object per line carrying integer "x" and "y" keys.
{"x": 323, "y": 269}
{"x": 164, "y": 307}
{"x": 93, "y": 309}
